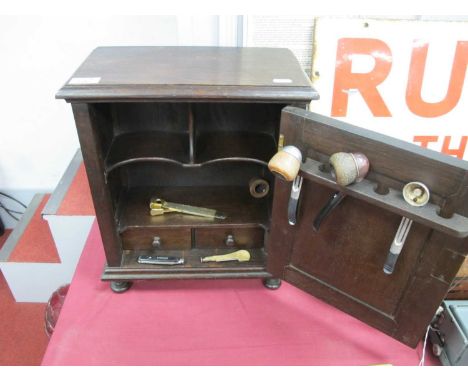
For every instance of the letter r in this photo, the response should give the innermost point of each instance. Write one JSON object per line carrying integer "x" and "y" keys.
{"x": 365, "y": 83}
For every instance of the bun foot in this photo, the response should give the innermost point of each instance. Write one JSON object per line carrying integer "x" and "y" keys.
{"x": 272, "y": 283}
{"x": 120, "y": 286}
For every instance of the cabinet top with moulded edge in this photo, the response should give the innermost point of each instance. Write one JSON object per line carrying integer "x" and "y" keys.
{"x": 189, "y": 74}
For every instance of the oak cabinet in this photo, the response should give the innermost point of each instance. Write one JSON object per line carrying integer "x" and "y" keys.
{"x": 195, "y": 125}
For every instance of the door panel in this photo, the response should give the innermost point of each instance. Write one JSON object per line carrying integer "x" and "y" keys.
{"x": 343, "y": 262}
{"x": 351, "y": 247}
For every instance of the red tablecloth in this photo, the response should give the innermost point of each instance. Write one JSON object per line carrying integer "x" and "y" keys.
{"x": 208, "y": 322}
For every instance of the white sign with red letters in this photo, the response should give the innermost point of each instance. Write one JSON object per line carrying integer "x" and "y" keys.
{"x": 406, "y": 79}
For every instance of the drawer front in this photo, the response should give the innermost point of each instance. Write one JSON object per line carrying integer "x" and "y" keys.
{"x": 229, "y": 237}
{"x": 156, "y": 238}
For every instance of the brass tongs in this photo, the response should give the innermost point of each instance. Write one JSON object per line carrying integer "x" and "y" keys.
{"x": 159, "y": 207}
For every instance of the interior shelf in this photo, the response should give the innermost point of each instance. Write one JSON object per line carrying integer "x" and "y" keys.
{"x": 240, "y": 208}
{"x": 175, "y": 147}
{"x": 234, "y": 144}
{"x": 457, "y": 225}
{"x": 146, "y": 146}
{"x": 193, "y": 263}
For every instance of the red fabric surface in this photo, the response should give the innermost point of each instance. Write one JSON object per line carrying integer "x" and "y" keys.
{"x": 23, "y": 339}
{"x": 208, "y": 322}
{"x": 78, "y": 200}
{"x": 36, "y": 245}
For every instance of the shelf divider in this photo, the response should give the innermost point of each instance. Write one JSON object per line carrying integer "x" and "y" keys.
{"x": 191, "y": 134}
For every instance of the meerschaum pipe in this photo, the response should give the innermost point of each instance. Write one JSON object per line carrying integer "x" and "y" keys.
{"x": 285, "y": 163}
{"x": 347, "y": 168}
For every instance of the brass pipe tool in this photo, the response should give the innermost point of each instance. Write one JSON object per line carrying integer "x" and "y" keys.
{"x": 240, "y": 256}
{"x": 160, "y": 207}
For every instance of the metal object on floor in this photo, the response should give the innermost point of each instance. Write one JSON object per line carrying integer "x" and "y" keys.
{"x": 449, "y": 336}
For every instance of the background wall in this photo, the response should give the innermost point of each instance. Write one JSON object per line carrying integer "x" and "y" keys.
{"x": 38, "y": 55}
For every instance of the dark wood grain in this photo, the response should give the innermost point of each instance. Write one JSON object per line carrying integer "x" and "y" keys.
{"x": 139, "y": 117}
{"x": 223, "y": 144}
{"x": 342, "y": 263}
{"x": 191, "y": 73}
{"x": 142, "y": 238}
{"x": 347, "y": 303}
{"x": 404, "y": 162}
{"x": 175, "y": 147}
{"x": 194, "y": 125}
{"x": 240, "y": 208}
{"x": 456, "y": 225}
{"x": 193, "y": 268}
{"x": 459, "y": 288}
{"x": 242, "y": 238}
{"x": 147, "y": 146}
{"x": 88, "y": 123}
{"x": 350, "y": 249}
{"x": 193, "y": 261}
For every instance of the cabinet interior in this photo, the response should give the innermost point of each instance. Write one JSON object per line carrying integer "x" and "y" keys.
{"x": 200, "y": 154}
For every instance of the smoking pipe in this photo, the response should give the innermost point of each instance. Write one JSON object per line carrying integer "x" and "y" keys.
{"x": 415, "y": 194}
{"x": 347, "y": 168}
{"x": 285, "y": 164}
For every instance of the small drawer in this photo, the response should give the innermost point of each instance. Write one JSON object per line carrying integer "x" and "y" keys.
{"x": 156, "y": 238}
{"x": 229, "y": 237}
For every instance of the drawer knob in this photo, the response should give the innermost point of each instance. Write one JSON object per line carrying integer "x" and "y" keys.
{"x": 156, "y": 242}
{"x": 230, "y": 240}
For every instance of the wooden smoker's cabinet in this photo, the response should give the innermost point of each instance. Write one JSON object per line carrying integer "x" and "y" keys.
{"x": 194, "y": 125}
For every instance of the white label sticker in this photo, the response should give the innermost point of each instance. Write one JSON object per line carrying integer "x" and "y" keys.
{"x": 84, "y": 80}
{"x": 282, "y": 80}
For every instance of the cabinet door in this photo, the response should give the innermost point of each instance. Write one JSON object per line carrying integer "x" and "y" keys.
{"x": 342, "y": 263}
